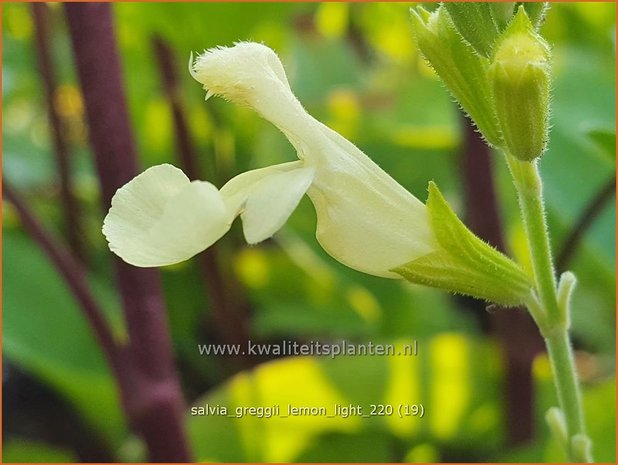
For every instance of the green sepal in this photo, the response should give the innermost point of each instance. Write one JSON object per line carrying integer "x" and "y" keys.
{"x": 502, "y": 13}
{"x": 536, "y": 11}
{"x": 476, "y": 23}
{"x": 520, "y": 78}
{"x": 463, "y": 71}
{"x": 465, "y": 264}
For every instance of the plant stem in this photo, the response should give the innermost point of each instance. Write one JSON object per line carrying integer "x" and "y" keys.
{"x": 171, "y": 85}
{"x": 74, "y": 276}
{"x": 554, "y": 325}
{"x": 565, "y": 378}
{"x": 151, "y": 391}
{"x": 68, "y": 199}
{"x": 228, "y": 308}
{"x": 590, "y": 213}
{"x": 530, "y": 193}
{"x": 513, "y": 328}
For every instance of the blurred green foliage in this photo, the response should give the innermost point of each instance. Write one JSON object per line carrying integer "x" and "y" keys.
{"x": 457, "y": 392}
{"x": 355, "y": 67}
{"x": 28, "y": 451}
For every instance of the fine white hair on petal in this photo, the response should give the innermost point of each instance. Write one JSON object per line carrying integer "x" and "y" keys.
{"x": 161, "y": 218}
{"x": 251, "y": 74}
{"x": 237, "y": 72}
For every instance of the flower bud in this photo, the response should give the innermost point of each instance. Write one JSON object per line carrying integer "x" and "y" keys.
{"x": 475, "y": 22}
{"x": 536, "y": 11}
{"x": 463, "y": 71}
{"x": 520, "y": 79}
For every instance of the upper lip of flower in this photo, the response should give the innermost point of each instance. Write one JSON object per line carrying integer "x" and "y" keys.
{"x": 366, "y": 220}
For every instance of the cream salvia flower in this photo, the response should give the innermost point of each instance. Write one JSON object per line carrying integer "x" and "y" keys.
{"x": 366, "y": 220}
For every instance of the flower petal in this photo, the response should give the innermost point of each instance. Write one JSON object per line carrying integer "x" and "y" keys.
{"x": 139, "y": 203}
{"x": 160, "y": 218}
{"x": 251, "y": 74}
{"x": 366, "y": 220}
{"x": 193, "y": 220}
{"x": 240, "y": 72}
{"x": 271, "y": 202}
{"x": 236, "y": 191}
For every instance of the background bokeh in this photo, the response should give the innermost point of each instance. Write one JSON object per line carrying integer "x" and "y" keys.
{"x": 356, "y": 68}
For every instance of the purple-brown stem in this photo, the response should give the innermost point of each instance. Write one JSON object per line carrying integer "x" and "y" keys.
{"x": 61, "y": 151}
{"x": 587, "y": 217}
{"x": 227, "y": 307}
{"x": 514, "y": 328}
{"x": 169, "y": 79}
{"x": 72, "y": 272}
{"x": 153, "y": 396}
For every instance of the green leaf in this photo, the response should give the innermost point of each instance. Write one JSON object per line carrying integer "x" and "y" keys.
{"x": 371, "y": 446}
{"x": 45, "y": 333}
{"x": 475, "y": 22}
{"x": 462, "y": 70}
{"x": 465, "y": 264}
{"x": 605, "y": 139}
{"x": 26, "y": 451}
{"x": 502, "y": 13}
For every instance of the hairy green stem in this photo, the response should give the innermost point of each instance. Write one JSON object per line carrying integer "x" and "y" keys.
{"x": 530, "y": 193}
{"x": 553, "y": 321}
{"x": 565, "y": 379}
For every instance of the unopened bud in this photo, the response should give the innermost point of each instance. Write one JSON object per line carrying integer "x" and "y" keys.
{"x": 463, "y": 71}
{"x": 520, "y": 78}
{"x": 476, "y": 24}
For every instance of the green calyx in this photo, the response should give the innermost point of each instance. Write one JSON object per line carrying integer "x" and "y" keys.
{"x": 502, "y": 13}
{"x": 498, "y": 71}
{"x": 520, "y": 82}
{"x": 459, "y": 66}
{"x": 476, "y": 23}
{"x": 465, "y": 264}
{"x": 536, "y": 11}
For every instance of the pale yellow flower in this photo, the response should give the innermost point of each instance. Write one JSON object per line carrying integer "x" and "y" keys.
{"x": 366, "y": 220}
